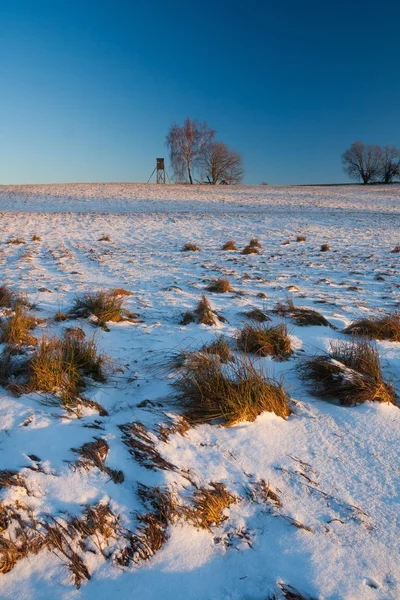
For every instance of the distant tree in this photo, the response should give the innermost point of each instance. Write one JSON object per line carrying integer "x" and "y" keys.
{"x": 187, "y": 147}
{"x": 390, "y": 164}
{"x": 363, "y": 162}
{"x": 220, "y": 164}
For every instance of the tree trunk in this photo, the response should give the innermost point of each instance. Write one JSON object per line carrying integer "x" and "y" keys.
{"x": 190, "y": 174}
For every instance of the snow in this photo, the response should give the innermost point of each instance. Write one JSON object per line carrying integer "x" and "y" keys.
{"x": 336, "y": 468}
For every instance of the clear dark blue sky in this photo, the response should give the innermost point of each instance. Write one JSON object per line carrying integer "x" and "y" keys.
{"x": 89, "y": 89}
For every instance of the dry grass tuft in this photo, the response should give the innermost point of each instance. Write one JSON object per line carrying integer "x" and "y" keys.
{"x": 220, "y": 347}
{"x": 209, "y": 505}
{"x": 261, "y": 492}
{"x": 60, "y": 316}
{"x": 236, "y": 392}
{"x": 9, "y": 479}
{"x": 177, "y": 425}
{"x": 7, "y": 297}
{"x": 250, "y": 250}
{"x": 121, "y": 292}
{"x": 105, "y": 306}
{"x": 151, "y": 533}
{"x": 396, "y": 249}
{"x": 61, "y": 366}
{"x": 188, "y": 247}
{"x": 141, "y": 444}
{"x": 219, "y": 286}
{"x": 386, "y": 327}
{"x": 254, "y": 243}
{"x": 301, "y": 238}
{"x": 15, "y": 329}
{"x": 104, "y": 238}
{"x": 35, "y": 238}
{"x": 94, "y": 454}
{"x": 350, "y": 373}
{"x": 229, "y": 245}
{"x": 255, "y": 314}
{"x": 203, "y": 313}
{"x": 15, "y": 241}
{"x": 325, "y": 247}
{"x": 265, "y": 340}
{"x": 301, "y": 316}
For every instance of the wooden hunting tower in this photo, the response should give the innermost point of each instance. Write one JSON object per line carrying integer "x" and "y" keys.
{"x": 160, "y": 171}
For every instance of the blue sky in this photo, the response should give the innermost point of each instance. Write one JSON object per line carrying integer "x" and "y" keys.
{"x": 89, "y": 89}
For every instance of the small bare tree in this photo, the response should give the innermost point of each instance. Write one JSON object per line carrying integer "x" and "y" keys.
{"x": 390, "y": 165}
{"x": 363, "y": 162}
{"x": 187, "y": 146}
{"x": 222, "y": 165}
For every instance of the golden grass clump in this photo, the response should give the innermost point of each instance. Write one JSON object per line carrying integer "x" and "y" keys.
{"x": 250, "y": 250}
{"x": 255, "y": 314}
{"x": 7, "y": 297}
{"x": 254, "y": 243}
{"x": 300, "y": 315}
{"x": 105, "y": 306}
{"x": 396, "y": 249}
{"x": 325, "y": 247}
{"x": 35, "y": 238}
{"x": 121, "y": 292}
{"x": 188, "y": 247}
{"x": 15, "y": 241}
{"x": 301, "y": 238}
{"x": 15, "y": 329}
{"x": 219, "y": 286}
{"x": 94, "y": 454}
{"x": 350, "y": 373}
{"x": 220, "y": 347}
{"x": 62, "y": 365}
{"x": 384, "y": 327}
{"x": 104, "y": 238}
{"x": 203, "y": 314}
{"x": 209, "y": 505}
{"x": 236, "y": 392}
{"x": 265, "y": 340}
{"x": 229, "y": 245}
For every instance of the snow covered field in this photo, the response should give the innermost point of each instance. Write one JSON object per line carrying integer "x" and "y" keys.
{"x": 334, "y": 534}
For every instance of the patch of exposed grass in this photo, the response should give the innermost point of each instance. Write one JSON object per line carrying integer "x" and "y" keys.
{"x": 396, "y": 249}
{"x": 15, "y": 329}
{"x": 35, "y": 238}
{"x": 15, "y": 241}
{"x": 94, "y": 454}
{"x": 350, "y": 373}
{"x": 61, "y": 366}
{"x": 188, "y": 247}
{"x": 60, "y": 316}
{"x": 141, "y": 444}
{"x": 383, "y": 327}
{"x": 265, "y": 340}
{"x": 219, "y": 286}
{"x": 300, "y": 315}
{"x": 254, "y": 243}
{"x": 121, "y": 292}
{"x": 220, "y": 347}
{"x": 7, "y": 297}
{"x": 301, "y": 238}
{"x": 209, "y": 505}
{"x": 203, "y": 313}
{"x": 255, "y": 314}
{"x": 104, "y": 306}
{"x": 325, "y": 247}
{"x": 104, "y": 238}
{"x": 236, "y": 392}
{"x": 250, "y": 250}
{"x": 229, "y": 245}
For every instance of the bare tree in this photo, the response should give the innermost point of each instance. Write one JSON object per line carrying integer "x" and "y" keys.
{"x": 222, "y": 165}
{"x": 363, "y": 162}
{"x": 390, "y": 164}
{"x": 187, "y": 146}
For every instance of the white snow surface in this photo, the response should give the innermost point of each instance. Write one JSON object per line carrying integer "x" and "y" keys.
{"x": 335, "y": 468}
